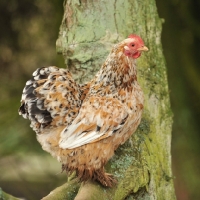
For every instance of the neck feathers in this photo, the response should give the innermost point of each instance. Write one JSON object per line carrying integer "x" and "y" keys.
{"x": 118, "y": 69}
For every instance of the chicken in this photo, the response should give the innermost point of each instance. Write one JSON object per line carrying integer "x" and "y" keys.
{"x": 82, "y": 125}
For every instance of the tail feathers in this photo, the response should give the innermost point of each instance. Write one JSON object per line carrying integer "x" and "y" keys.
{"x": 32, "y": 105}
{"x": 51, "y": 98}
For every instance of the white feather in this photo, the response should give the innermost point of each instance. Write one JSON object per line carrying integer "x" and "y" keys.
{"x": 29, "y": 82}
{"x": 35, "y": 72}
{"x": 75, "y": 140}
{"x": 126, "y": 47}
{"x": 100, "y": 122}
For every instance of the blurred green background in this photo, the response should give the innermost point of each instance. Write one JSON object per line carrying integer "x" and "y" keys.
{"x": 29, "y": 30}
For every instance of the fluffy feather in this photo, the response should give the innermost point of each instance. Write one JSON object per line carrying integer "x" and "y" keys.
{"x": 82, "y": 125}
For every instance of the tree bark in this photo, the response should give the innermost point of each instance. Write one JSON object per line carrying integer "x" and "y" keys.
{"x": 88, "y": 31}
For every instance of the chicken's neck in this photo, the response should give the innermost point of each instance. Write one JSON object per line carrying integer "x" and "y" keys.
{"x": 118, "y": 70}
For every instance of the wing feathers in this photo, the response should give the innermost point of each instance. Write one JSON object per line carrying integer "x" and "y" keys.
{"x": 99, "y": 117}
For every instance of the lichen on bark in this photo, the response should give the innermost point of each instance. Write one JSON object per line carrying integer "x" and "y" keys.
{"x": 87, "y": 33}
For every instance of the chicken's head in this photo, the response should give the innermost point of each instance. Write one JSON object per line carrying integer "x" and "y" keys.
{"x": 134, "y": 45}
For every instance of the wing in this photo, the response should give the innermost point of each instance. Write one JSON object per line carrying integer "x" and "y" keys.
{"x": 99, "y": 117}
{"x": 50, "y": 98}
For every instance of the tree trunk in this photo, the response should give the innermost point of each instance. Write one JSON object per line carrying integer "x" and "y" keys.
{"x": 88, "y": 31}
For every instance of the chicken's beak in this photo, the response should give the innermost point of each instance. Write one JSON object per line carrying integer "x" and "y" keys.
{"x": 143, "y": 48}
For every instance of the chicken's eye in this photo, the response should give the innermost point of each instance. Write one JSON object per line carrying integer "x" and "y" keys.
{"x": 132, "y": 45}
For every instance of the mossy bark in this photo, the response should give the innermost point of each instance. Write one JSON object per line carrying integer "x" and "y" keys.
{"x": 87, "y": 33}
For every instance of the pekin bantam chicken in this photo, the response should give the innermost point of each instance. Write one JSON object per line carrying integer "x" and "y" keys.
{"x": 82, "y": 125}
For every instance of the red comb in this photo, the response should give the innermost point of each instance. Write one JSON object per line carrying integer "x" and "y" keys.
{"x": 136, "y": 36}
{"x": 132, "y": 36}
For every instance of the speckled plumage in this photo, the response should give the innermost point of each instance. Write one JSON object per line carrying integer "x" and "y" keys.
{"x": 82, "y": 125}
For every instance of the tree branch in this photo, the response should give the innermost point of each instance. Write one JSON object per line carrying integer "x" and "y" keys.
{"x": 5, "y": 196}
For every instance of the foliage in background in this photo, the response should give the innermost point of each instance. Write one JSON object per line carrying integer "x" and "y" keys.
{"x": 181, "y": 43}
{"x": 30, "y": 30}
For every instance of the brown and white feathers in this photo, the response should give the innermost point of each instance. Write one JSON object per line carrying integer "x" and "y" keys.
{"x": 82, "y": 125}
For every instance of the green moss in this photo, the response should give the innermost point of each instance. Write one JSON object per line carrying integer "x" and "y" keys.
{"x": 67, "y": 191}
